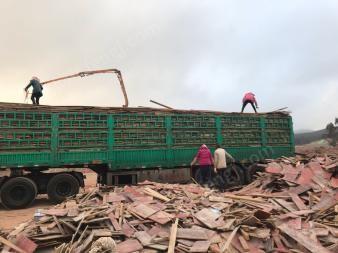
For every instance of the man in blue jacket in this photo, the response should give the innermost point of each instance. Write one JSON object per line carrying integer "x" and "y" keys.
{"x": 37, "y": 90}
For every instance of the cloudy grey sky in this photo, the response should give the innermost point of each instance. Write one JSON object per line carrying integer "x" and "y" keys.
{"x": 192, "y": 54}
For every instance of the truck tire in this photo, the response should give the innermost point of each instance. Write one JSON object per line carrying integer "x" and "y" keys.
{"x": 62, "y": 186}
{"x": 233, "y": 176}
{"x": 18, "y": 192}
{"x": 250, "y": 172}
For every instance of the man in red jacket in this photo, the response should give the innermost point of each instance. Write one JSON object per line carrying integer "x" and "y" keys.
{"x": 249, "y": 98}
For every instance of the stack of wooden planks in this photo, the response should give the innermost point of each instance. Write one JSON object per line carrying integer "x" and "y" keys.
{"x": 291, "y": 207}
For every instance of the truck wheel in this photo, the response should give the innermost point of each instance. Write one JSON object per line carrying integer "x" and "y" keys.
{"x": 62, "y": 186}
{"x": 250, "y": 172}
{"x": 18, "y": 192}
{"x": 233, "y": 176}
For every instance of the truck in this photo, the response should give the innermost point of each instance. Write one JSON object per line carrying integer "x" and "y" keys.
{"x": 46, "y": 149}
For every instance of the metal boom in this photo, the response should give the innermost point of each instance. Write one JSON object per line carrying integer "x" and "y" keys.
{"x": 92, "y": 72}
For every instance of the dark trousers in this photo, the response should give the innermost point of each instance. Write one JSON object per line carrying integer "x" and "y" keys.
{"x": 205, "y": 173}
{"x": 249, "y": 102}
{"x": 218, "y": 180}
{"x": 36, "y": 97}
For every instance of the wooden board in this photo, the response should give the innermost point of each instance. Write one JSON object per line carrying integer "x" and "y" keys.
{"x": 200, "y": 246}
{"x": 191, "y": 234}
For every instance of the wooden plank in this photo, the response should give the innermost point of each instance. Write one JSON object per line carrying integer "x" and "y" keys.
{"x": 261, "y": 233}
{"x": 73, "y": 212}
{"x": 155, "y": 194}
{"x": 80, "y": 238}
{"x": 88, "y": 240}
{"x": 129, "y": 246}
{"x": 213, "y": 198}
{"x": 220, "y": 206}
{"x": 200, "y": 246}
{"x": 121, "y": 213}
{"x": 11, "y": 245}
{"x": 68, "y": 224}
{"x": 161, "y": 217}
{"x": 55, "y": 212}
{"x": 243, "y": 243}
{"x": 143, "y": 237}
{"x": 295, "y": 223}
{"x": 18, "y": 229}
{"x": 186, "y": 242}
{"x": 192, "y": 234}
{"x": 302, "y": 239}
{"x": 127, "y": 230}
{"x": 59, "y": 225}
{"x": 115, "y": 197}
{"x": 114, "y": 222}
{"x": 208, "y": 217}
{"x": 226, "y": 245}
{"x": 287, "y": 205}
{"x": 50, "y": 237}
{"x": 143, "y": 210}
{"x": 232, "y": 196}
{"x": 172, "y": 240}
{"x": 159, "y": 247}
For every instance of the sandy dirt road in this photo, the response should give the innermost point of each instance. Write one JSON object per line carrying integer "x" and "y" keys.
{"x": 9, "y": 219}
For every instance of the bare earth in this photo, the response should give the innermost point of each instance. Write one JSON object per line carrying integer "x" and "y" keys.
{"x": 11, "y": 218}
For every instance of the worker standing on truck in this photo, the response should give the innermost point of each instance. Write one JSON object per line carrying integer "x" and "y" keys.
{"x": 249, "y": 98}
{"x": 37, "y": 90}
{"x": 205, "y": 162}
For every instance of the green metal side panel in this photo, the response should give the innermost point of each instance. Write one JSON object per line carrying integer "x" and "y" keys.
{"x": 125, "y": 140}
{"x": 54, "y": 139}
{"x": 169, "y": 142}
{"x": 219, "y": 130}
{"x": 263, "y": 131}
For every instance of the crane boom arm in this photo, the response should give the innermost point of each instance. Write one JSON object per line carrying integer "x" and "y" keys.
{"x": 92, "y": 72}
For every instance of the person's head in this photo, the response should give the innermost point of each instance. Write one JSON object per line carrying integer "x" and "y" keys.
{"x": 218, "y": 146}
{"x": 35, "y": 78}
{"x": 204, "y": 146}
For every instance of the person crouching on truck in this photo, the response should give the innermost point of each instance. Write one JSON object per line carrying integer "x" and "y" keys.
{"x": 37, "y": 90}
{"x": 249, "y": 98}
{"x": 205, "y": 162}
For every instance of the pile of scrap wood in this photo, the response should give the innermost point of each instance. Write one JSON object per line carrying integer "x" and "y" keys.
{"x": 291, "y": 207}
{"x": 313, "y": 150}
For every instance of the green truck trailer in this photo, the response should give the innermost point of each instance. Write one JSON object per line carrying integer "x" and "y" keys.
{"x": 44, "y": 148}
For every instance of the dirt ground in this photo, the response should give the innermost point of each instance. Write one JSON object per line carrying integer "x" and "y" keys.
{"x": 9, "y": 219}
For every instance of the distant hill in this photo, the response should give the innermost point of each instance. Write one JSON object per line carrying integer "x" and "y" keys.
{"x": 303, "y": 131}
{"x": 302, "y": 138}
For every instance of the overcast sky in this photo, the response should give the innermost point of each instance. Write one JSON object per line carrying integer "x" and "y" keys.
{"x": 191, "y": 54}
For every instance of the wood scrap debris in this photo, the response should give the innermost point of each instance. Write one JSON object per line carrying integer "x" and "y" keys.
{"x": 291, "y": 207}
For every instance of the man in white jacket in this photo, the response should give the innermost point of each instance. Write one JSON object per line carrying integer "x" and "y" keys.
{"x": 220, "y": 158}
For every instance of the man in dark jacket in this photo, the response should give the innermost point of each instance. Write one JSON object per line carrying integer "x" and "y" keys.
{"x": 37, "y": 90}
